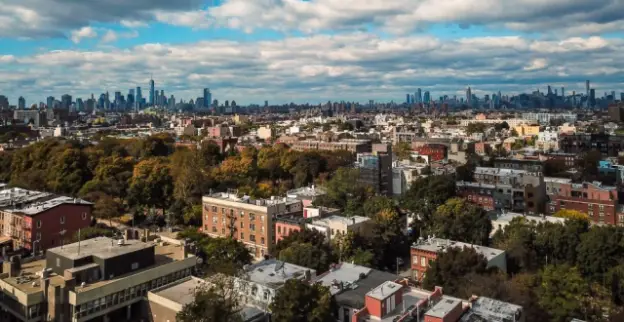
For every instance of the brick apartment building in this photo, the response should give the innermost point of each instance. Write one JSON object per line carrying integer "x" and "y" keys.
{"x": 481, "y": 194}
{"x": 353, "y": 145}
{"x": 251, "y": 221}
{"x": 35, "y": 220}
{"x": 608, "y": 145}
{"x": 435, "y": 152}
{"x": 515, "y": 190}
{"x": 600, "y": 202}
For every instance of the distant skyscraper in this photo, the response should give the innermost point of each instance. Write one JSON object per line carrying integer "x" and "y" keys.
{"x": 592, "y": 98}
{"x": 138, "y": 99}
{"x": 413, "y": 99}
{"x": 587, "y": 88}
{"x": 419, "y": 98}
{"x": 427, "y": 97}
{"x": 207, "y": 97}
{"x": 563, "y": 92}
{"x": 469, "y": 96}
{"x": 407, "y": 99}
{"x": 549, "y": 90}
{"x": 50, "y": 101}
{"x": 152, "y": 93}
{"x": 66, "y": 101}
{"x": 80, "y": 104}
{"x": 613, "y": 96}
{"x": 622, "y": 97}
{"x": 21, "y": 103}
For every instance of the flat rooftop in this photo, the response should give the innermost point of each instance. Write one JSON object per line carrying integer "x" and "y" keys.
{"x": 232, "y": 197}
{"x": 435, "y": 245}
{"x": 274, "y": 273}
{"x": 30, "y": 273}
{"x": 30, "y": 202}
{"x": 444, "y": 306}
{"x": 488, "y": 309}
{"x": 302, "y": 192}
{"x": 325, "y": 222}
{"x": 182, "y": 292}
{"x": 384, "y": 290}
{"x": 101, "y": 247}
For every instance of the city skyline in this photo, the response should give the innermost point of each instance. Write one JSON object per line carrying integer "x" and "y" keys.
{"x": 378, "y": 50}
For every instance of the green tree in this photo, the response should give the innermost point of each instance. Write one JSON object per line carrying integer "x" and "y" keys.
{"x": 518, "y": 240}
{"x": 219, "y": 301}
{"x": 306, "y": 255}
{"x": 226, "y": 255}
{"x": 151, "y": 184}
{"x": 453, "y": 267}
{"x": 561, "y": 291}
{"x": 600, "y": 250}
{"x": 403, "y": 150}
{"x": 299, "y": 301}
{"x": 460, "y": 220}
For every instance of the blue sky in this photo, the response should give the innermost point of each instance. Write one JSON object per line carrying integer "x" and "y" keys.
{"x": 308, "y": 51}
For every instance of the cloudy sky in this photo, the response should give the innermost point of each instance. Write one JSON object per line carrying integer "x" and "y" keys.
{"x": 308, "y": 51}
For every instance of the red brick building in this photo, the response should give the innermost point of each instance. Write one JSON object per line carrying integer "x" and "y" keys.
{"x": 39, "y": 220}
{"x": 481, "y": 194}
{"x": 285, "y": 226}
{"x": 596, "y": 200}
{"x": 435, "y": 152}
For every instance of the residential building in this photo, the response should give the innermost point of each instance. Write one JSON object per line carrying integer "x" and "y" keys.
{"x": 499, "y": 222}
{"x": 286, "y": 225}
{"x": 527, "y": 130}
{"x": 426, "y": 251}
{"x": 307, "y": 195}
{"x": 35, "y": 117}
{"x": 348, "y": 284}
{"x": 515, "y": 190}
{"x": 260, "y": 282}
{"x": 608, "y": 145}
{"x": 481, "y": 194}
{"x": 351, "y": 145}
{"x": 375, "y": 169}
{"x": 164, "y": 303}
{"x": 266, "y": 132}
{"x": 99, "y": 279}
{"x": 334, "y": 225}
{"x": 530, "y": 165}
{"x": 403, "y": 176}
{"x": 435, "y": 152}
{"x": 36, "y": 220}
{"x": 598, "y": 201}
{"x": 248, "y": 220}
{"x": 492, "y": 310}
{"x": 545, "y": 118}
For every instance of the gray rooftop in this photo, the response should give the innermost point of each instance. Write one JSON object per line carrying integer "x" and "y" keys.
{"x": 274, "y": 273}
{"x": 488, "y": 309}
{"x": 303, "y": 192}
{"x": 325, "y": 222}
{"x": 349, "y": 283}
{"x": 182, "y": 292}
{"x": 101, "y": 247}
{"x": 384, "y": 290}
{"x": 444, "y": 306}
{"x": 439, "y": 245}
{"x": 30, "y": 202}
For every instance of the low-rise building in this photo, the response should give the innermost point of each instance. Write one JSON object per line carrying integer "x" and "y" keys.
{"x": 99, "y": 279}
{"x": 334, "y": 225}
{"x": 598, "y": 201}
{"x": 503, "y": 220}
{"x": 492, "y": 310}
{"x": 426, "y": 251}
{"x": 307, "y": 195}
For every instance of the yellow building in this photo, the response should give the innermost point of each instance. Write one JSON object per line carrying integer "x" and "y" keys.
{"x": 527, "y": 130}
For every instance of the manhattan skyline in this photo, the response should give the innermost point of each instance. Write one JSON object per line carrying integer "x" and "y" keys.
{"x": 313, "y": 51}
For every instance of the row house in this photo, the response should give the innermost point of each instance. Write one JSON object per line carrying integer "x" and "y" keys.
{"x": 516, "y": 190}
{"x": 481, "y": 194}
{"x": 598, "y": 201}
{"x": 36, "y": 221}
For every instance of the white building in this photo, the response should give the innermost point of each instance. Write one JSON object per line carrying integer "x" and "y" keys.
{"x": 333, "y": 225}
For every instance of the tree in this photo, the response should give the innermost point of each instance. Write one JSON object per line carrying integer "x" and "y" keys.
{"x": 193, "y": 215}
{"x": 226, "y": 255}
{"x": 345, "y": 187}
{"x": 452, "y": 267}
{"x": 588, "y": 164}
{"x": 571, "y": 214}
{"x": 600, "y": 250}
{"x": 460, "y": 220}
{"x": 403, "y": 150}
{"x": 518, "y": 240}
{"x": 151, "y": 184}
{"x": 561, "y": 291}
{"x": 219, "y": 301}
{"x": 299, "y": 301}
{"x": 306, "y": 255}
{"x": 374, "y": 205}
{"x": 304, "y": 236}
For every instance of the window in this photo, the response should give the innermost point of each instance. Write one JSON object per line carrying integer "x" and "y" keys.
{"x": 38, "y": 223}
{"x": 279, "y": 229}
{"x": 223, "y": 210}
{"x": 58, "y": 262}
{"x": 252, "y": 216}
{"x": 214, "y": 220}
{"x": 242, "y": 214}
{"x": 252, "y": 238}
{"x": 62, "y": 219}
{"x": 222, "y": 231}
{"x": 423, "y": 261}
{"x": 214, "y": 209}
{"x": 84, "y": 216}
{"x": 415, "y": 260}
{"x": 262, "y": 228}
{"x": 262, "y": 240}
{"x": 242, "y": 236}
{"x": 242, "y": 224}
{"x": 134, "y": 266}
{"x": 252, "y": 227}
{"x": 214, "y": 229}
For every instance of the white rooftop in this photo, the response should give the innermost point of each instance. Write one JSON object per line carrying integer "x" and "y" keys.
{"x": 557, "y": 180}
{"x": 384, "y": 290}
{"x": 325, "y": 222}
{"x": 493, "y": 310}
{"x": 248, "y": 200}
{"x": 443, "y": 307}
{"x": 498, "y": 171}
{"x": 274, "y": 273}
{"x": 509, "y": 216}
{"x": 30, "y": 202}
{"x": 435, "y": 245}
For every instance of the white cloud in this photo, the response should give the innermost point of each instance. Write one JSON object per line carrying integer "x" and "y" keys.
{"x": 133, "y": 23}
{"x": 351, "y": 66}
{"x": 113, "y": 36}
{"x": 84, "y": 32}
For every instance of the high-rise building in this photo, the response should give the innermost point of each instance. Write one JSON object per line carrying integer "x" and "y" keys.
{"x": 613, "y": 98}
{"x": 587, "y": 88}
{"x": 622, "y": 97}
{"x": 427, "y": 97}
{"x": 407, "y": 99}
{"x": 172, "y": 102}
{"x": 138, "y": 99}
{"x": 152, "y": 93}
{"x": 592, "y": 98}
{"x": 419, "y": 98}
{"x": 562, "y": 92}
{"x": 469, "y": 96}
{"x": 66, "y": 101}
{"x": 207, "y": 97}
{"x": 4, "y": 102}
{"x": 80, "y": 106}
{"x": 50, "y": 101}
{"x": 21, "y": 103}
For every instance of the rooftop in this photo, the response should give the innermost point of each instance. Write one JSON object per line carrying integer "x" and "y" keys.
{"x": 274, "y": 273}
{"x": 509, "y": 216}
{"x": 384, "y": 290}
{"x": 325, "y": 222}
{"x": 435, "y": 245}
{"x": 182, "y": 292}
{"x": 302, "y": 192}
{"x": 443, "y": 307}
{"x": 498, "y": 171}
{"x": 102, "y": 247}
{"x": 557, "y": 180}
{"x": 491, "y": 310}
{"x": 30, "y": 202}
{"x": 233, "y": 197}
{"x": 349, "y": 283}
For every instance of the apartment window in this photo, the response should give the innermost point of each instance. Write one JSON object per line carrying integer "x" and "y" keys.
{"x": 252, "y": 227}
{"x": 38, "y": 223}
{"x": 134, "y": 266}
{"x": 252, "y": 216}
{"x": 62, "y": 219}
{"x": 279, "y": 229}
{"x": 415, "y": 260}
{"x": 214, "y": 209}
{"x": 262, "y": 218}
{"x": 252, "y": 238}
{"x": 58, "y": 262}
{"x": 601, "y": 207}
{"x": 214, "y": 220}
{"x": 242, "y": 214}
{"x": 223, "y": 210}
{"x": 222, "y": 231}
{"x": 214, "y": 229}
{"x": 84, "y": 216}
{"x": 262, "y": 240}
{"x": 423, "y": 261}
{"x": 262, "y": 228}
{"x": 242, "y": 236}
{"x": 242, "y": 224}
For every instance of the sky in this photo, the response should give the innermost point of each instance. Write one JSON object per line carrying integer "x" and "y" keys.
{"x": 309, "y": 51}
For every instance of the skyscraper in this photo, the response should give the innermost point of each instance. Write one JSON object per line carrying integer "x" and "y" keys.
{"x": 50, "y": 101}
{"x": 562, "y": 92}
{"x": 469, "y": 96}
{"x": 407, "y": 98}
{"x": 152, "y": 93}
{"x": 592, "y": 98}
{"x": 66, "y": 101}
{"x": 622, "y": 97}
{"x": 138, "y": 99}
{"x": 427, "y": 97}
{"x": 207, "y": 97}
{"x": 21, "y": 103}
{"x": 419, "y": 98}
